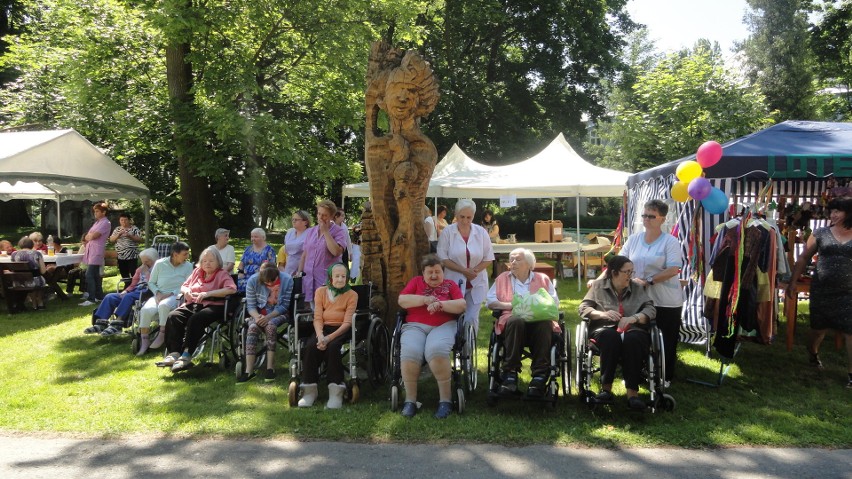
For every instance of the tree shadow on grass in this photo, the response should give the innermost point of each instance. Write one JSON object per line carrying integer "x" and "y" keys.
{"x": 56, "y": 312}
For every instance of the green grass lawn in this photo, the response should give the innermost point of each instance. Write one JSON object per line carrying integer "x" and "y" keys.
{"x": 58, "y": 380}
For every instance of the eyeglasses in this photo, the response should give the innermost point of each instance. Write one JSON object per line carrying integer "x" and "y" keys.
{"x": 649, "y": 217}
{"x": 298, "y": 219}
{"x": 628, "y": 272}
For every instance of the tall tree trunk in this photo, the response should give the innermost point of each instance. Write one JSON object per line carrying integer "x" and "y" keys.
{"x": 194, "y": 189}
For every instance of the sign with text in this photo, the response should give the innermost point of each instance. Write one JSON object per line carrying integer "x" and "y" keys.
{"x": 507, "y": 201}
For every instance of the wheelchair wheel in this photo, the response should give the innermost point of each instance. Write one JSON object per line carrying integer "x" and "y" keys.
{"x": 471, "y": 364}
{"x": 668, "y": 403}
{"x": 394, "y": 399}
{"x": 566, "y": 361}
{"x": 658, "y": 352}
{"x": 293, "y": 394}
{"x": 580, "y": 373}
{"x": 460, "y": 400}
{"x": 239, "y": 369}
{"x": 377, "y": 352}
{"x": 134, "y": 344}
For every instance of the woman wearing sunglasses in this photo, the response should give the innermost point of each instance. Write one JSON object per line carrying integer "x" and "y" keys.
{"x": 618, "y": 311}
{"x": 657, "y": 259}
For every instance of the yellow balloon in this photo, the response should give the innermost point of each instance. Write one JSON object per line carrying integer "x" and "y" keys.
{"x": 688, "y": 171}
{"x": 679, "y": 192}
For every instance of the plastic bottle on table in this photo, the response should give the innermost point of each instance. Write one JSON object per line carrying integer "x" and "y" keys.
{"x": 50, "y": 249}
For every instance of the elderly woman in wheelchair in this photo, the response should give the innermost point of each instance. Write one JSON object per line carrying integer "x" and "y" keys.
{"x": 334, "y": 306}
{"x": 203, "y": 293}
{"x": 518, "y": 329}
{"x": 432, "y": 303}
{"x": 120, "y": 305}
{"x": 268, "y": 294}
{"x": 619, "y": 312}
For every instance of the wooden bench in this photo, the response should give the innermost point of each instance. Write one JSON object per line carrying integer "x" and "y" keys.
{"x": 16, "y": 271}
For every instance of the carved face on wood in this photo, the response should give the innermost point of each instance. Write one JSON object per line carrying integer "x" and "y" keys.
{"x": 401, "y": 100}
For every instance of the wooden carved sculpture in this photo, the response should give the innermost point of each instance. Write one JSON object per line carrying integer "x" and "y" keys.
{"x": 399, "y": 164}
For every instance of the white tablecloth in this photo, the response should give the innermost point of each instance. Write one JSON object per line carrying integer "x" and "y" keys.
{"x": 60, "y": 259}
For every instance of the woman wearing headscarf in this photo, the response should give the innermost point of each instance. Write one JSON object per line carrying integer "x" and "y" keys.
{"x": 334, "y": 305}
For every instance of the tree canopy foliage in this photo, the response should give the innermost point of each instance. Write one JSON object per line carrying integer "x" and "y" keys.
{"x": 516, "y": 73}
{"x": 270, "y": 116}
{"x": 778, "y": 58}
{"x": 831, "y": 42}
{"x": 687, "y": 98}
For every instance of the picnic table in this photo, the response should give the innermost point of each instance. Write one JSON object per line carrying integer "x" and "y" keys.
{"x": 62, "y": 262}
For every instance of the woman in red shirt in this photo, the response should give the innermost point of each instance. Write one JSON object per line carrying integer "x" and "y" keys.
{"x": 202, "y": 293}
{"x": 433, "y": 303}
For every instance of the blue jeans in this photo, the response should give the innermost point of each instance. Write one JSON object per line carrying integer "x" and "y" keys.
{"x": 94, "y": 282}
{"x": 121, "y": 304}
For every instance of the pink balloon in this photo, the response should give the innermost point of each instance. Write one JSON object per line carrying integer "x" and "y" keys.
{"x": 699, "y": 188}
{"x": 709, "y": 153}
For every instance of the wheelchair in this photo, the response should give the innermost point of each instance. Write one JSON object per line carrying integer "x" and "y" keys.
{"x": 217, "y": 346}
{"x": 366, "y": 351}
{"x": 462, "y": 363}
{"x": 128, "y": 323}
{"x": 654, "y": 370}
{"x": 297, "y": 306}
{"x": 560, "y": 366}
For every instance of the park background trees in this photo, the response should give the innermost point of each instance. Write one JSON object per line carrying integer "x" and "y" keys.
{"x": 235, "y": 113}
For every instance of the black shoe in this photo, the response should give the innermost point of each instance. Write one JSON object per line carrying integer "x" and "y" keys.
{"x": 538, "y": 387}
{"x": 270, "y": 376}
{"x": 244, "y": 378}
{"x": 409, "y": 409}
{"x": 509, "y": 382}
{"x": 603, "y": 397}
{"x": 636, "y": 404}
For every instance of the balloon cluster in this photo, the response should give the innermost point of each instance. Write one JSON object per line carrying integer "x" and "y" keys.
{"x": 692, "y": 185}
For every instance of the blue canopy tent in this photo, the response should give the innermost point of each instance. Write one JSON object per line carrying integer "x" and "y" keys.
{"x": 797, "y": 157}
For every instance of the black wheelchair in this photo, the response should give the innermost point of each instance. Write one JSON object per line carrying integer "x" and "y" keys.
{"x": 297, "y": 306}
{"x": 218, "y": 344}
{"x": 588, "y": 364}
{"x": 560, "y": 366}
{"x": 366, "y": 351}
{"x": 462, "y": 362}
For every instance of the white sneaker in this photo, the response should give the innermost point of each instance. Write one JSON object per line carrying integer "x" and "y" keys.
{"x": 85, "y": 296}
{"x": 87, "y": 303}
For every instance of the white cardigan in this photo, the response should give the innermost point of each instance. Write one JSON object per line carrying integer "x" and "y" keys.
{"x": 451, "y": 246}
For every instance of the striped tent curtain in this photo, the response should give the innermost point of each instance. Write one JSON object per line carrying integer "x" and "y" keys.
{"x": 695, "y": 329}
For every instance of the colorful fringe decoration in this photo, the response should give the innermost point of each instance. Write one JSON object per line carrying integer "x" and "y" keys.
{"x": 695, "y": 253}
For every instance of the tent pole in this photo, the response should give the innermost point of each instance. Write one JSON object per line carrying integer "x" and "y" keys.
{"x": 579, "y": 243}
{"x": 147, "y": 208}
{"x": 58, "y": 220}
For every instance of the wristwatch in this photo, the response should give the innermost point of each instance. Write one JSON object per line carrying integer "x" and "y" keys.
{"x": 650, "y": 280}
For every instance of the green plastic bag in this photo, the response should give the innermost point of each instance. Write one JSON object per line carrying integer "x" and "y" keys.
{"x": 538, "y": 306}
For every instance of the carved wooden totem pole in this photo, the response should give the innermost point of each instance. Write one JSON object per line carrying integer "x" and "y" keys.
{"x": 399, "y": 165}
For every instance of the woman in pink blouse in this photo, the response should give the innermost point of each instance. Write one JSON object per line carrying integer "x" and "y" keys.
{"x": 96, "y": 240}
{"x": 203, "y": 294}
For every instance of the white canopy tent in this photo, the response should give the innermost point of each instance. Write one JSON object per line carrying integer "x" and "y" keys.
{"x": 61, "y": 165}
{"x": 556, "y": 172}
{"x": 455, "y": 160}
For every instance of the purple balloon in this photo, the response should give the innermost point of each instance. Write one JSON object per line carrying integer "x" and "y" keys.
{"x": 716, "y": 202}
{"x": 699, "y": 188}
